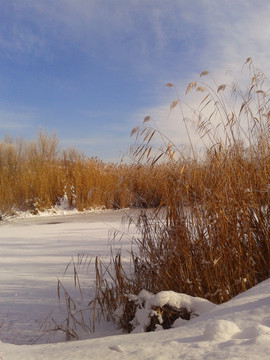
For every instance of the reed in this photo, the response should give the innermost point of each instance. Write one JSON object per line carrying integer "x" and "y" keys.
{"x": 210, "y": 233}
{"x": 36, "y": 175}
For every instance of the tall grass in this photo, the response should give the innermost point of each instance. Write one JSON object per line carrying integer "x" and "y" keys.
{"x": 210, "y": 233}
{"x": 36, "y": 175}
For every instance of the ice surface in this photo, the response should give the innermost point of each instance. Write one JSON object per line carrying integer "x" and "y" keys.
{"x": 34, "y": 253}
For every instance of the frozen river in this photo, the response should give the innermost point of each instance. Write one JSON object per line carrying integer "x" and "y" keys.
{"x": 34, "y": 253}
{"x": 33, "y": 256}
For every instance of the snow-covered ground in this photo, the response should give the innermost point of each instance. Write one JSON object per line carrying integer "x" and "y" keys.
{"x": 34, "y": 253}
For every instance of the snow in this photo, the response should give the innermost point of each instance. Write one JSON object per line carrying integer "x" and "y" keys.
{"x": 146, "y": 301}
{"x": 196, "y": 305}
{"x": 220, "y": 330}
{"x": 34, "y": 254}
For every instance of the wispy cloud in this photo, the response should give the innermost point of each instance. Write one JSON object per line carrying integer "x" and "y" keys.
{"x": 98, "y": 145}
{"x": 16, "y": 120}
{"x": 232, "y": 32}
{"x": 139, "y": 32}
{"x": 217, "y": 33}
{"x": 237, "y": 30}
{"x": 161, "y": 41}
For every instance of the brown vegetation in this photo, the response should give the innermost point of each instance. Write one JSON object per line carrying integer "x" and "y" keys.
{"x": 210, "y": 235}
{"x": 35, "y": 175}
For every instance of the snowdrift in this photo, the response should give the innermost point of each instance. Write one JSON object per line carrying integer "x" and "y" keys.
{"x": 238, "y": 329}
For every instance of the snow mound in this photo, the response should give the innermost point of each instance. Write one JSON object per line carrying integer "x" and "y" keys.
{"x": 117, "y": 348}
{"x": 220, "y": 330}
{"x": 254, "y": 332}
{"x": 224, "y": 330}
{"x": 192, "y": 304}
{"x": 150, "y": 305}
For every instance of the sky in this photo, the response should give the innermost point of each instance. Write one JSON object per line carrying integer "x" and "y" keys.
{"x": 91, "y": 70}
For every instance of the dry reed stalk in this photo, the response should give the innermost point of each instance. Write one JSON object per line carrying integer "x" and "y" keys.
{"x": 35, "y": 175}
{"x": 211, "y": 235}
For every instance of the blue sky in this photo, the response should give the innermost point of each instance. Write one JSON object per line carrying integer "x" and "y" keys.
{"x": 93, "y": 69}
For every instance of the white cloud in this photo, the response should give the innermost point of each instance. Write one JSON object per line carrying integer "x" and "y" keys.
{"x": 233, "y": 31}
{"x": 137, "y": 31}
{"x": 238, "y": 30}
{"x": 173, "y": 40}
{"x": 215, "y": 33}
